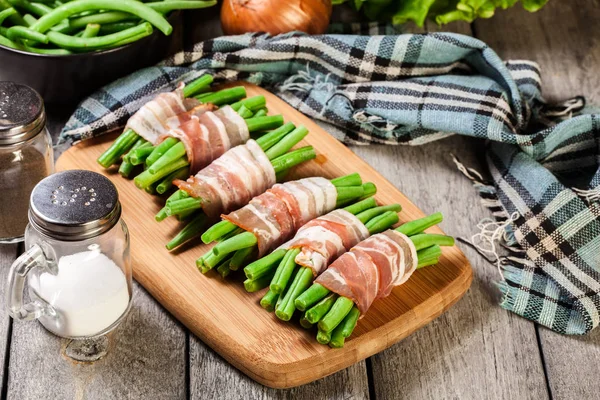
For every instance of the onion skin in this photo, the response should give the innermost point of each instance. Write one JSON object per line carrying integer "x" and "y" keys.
{"x": 275, "y": 16}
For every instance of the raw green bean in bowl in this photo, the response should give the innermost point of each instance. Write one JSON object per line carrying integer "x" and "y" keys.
{"x": 66, "y": 50}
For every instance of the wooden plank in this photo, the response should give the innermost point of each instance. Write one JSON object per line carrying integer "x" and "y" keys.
{"x": 211, "y": 377}
{"x": 562, "y": 38}
{"x": 8, "y": 253}
{"x": 145, "y": 359}
{"x": 229, "y": 319}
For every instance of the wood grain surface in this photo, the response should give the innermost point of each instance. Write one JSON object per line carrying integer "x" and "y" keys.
{"x": 223, "y": 315}
{"x": 497, "y": 353}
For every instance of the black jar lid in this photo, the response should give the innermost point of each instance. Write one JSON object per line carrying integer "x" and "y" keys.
{"x": 22, "y": 113}
{"x": 74, "y": 205}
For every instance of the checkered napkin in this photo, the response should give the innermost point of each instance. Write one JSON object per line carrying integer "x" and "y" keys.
{"x": 412, "y": 89}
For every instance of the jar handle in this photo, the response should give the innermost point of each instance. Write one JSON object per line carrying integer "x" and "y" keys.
{"x": 32, "y": 258}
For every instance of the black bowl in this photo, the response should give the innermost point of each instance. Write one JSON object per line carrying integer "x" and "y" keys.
{"x": 65, "y": 80}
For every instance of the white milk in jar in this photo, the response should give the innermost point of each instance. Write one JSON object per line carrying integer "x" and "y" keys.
{"x": 89, "y": 294}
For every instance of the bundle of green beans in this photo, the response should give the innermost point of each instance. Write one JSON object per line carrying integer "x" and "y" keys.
{"x": 57, "y": 28}
{"x": 237, "y": 248}
{"x": 276, "y": 144}
{"x": 128, "y": 139}
{"x": 376, "y": 219}
{"x": 336, "y": 316}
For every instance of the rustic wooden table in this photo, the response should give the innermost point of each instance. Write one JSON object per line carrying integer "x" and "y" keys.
{"x": 476, "y": 350}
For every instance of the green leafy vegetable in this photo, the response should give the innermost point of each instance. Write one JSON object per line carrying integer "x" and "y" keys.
{"x": 440, "y": 11}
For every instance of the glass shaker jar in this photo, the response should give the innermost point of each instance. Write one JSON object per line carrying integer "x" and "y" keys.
{"x": 25, "y": 155}
{"x": 77, "y": 257}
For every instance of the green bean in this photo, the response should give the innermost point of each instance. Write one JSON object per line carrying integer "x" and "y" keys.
{"x": 264, "y": 123}
{"x": 8, "y": 43}
{"x": 197, "y": 84}
{"x": 15, "y": 33}
{"x": 131, "y": 6}
{"x": 237, "y": 242}
{"x": 162, "y": 214}
{"x": 224, "y": 96}
{"x": 9, "y": 12}
{"x": 269, "y": 139}
{"x": 164, "y": 7}
{"x": 261, "y": 113}
{"x": 311, "y": 296}
{"x": 304, "y": 323}
{"x": 260, "y": 267}
{"x": 54, "y": 52}
{"x": 161, "y": 149}
{"x": 361, "y": 206}
{"x": 126, "y": 167}
{"x": 242, "y": 257}
{"x": 369, "y": 190}
{"x": 293, "y": 158}
{"x": 70, "y": 42}
{"x": 287, "y": 142}
{"x": 146, "y": 178}
{"x": 245, "y": 112}
{"x": 223, "y": 269}
{"x": 101, "y": 18}
{"x": 117, "y": 27}
{"x": 139, "y": 155}
{"x": 336, "y": 315}
{"x": 268, "y": 301}
{"x": 301, "y": 282}
{"x": 217, "y": 230}
{"x": 30, "y": 19}
{"x": 91, "y": 30}
{"x": 349, "y": 193}
{"x": 254, "y": 103}
{"x": 428, "y": 262}
{"x": 179, "y": 206}
{"x": 382, "y": 222}
{"x": 252, "y": 286}
{"x": 419, "y": 225}
{"x": 344, "y": 329}
{"x": 284, "y": 272}
{"x": 348, "y": 180}
{"x": 318, "y": 311}
{"x": 167, "y": 183}
{"x": 424, "y": 240}
{"x": 15, "y": 17}
{"x": 175, "y": 152}
{"x": 323, "y": 337}
{"x": 376, "y": 211}
{"x": 38, "y": 9}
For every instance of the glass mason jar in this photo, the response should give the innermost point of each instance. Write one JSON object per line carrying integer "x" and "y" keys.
{"x": 25, "y": 155}
{"x": 77, "y": 258}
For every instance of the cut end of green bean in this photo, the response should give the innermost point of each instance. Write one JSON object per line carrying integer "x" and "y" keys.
{"x": 323, "y": 337}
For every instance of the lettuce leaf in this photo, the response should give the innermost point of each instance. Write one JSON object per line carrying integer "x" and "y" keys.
{"x": 441, "y": 11}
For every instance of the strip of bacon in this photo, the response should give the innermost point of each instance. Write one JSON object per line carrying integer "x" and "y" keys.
{"x": 232, "y": 180}
{"x": 372, "y": 268}
{"x": 324, "y": 239}
{"x": 207, "y": 135}
{"x": 274, "y": 216}
{"x": 150, "y": 120}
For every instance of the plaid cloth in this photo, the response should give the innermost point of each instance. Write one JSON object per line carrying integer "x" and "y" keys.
{"x": 411, "y": 89}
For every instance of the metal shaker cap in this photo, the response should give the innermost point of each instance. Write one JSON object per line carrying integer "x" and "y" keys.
{"x": 74, "y": 205}
{"x": 22, "y": 113}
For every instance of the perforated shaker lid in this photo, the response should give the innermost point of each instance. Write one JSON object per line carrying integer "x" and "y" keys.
{"x": 74, "y": 205}
{"x": 22, "y": 113}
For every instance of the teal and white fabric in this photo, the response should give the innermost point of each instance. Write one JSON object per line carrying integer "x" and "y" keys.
{"x": 410, "y": 89}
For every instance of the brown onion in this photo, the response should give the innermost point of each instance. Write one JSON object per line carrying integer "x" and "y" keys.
{"x": 275, "y": 16}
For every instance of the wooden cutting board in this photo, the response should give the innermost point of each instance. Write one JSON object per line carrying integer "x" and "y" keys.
{"x": 230, "y": 320}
